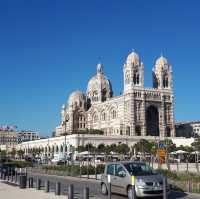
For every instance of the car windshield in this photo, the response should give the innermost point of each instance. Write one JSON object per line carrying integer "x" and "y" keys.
{"x": 139, "y": 169}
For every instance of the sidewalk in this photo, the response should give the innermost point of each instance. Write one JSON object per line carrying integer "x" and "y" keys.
{"x": 12, "y": 192}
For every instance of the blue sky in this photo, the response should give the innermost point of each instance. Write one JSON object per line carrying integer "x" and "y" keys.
{"x": 49, "y": 48}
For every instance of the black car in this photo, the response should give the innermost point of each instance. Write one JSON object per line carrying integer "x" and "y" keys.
{"x": 7, "y": 168}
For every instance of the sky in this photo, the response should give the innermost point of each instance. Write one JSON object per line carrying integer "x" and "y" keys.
{"x": 49, "y": 48}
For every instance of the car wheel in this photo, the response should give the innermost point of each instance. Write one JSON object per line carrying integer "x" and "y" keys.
{"x": 104, "y": 189}
{"x": 130, "y": 193}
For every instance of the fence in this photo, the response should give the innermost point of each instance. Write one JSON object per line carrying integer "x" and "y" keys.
{"x": 22, "y": 180}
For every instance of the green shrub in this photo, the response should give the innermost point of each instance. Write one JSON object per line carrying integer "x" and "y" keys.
{"x": 73, "y": 170}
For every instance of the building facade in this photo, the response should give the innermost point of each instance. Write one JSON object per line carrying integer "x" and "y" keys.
{"x": 187, "y": 129}
{"x": 27, "y": 135}
{"x": 138, "y": 111}
{"x": 9, "y": 138}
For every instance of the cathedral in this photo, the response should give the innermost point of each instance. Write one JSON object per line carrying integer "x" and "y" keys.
{"x": 138, "y": 111}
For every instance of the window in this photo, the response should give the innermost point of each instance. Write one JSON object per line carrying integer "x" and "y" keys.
{"x": 103, "y": 116}
{"x": 119, "y": 169}
{"x": 127, "y": 77}
{"x": 165, "y": 81}
{"x": 111, "y": 169}
{"x": 136, "y": 78}
{"x": 113, "y": 114}
{"x": 95, "y": 118}
{"x": 95, "y": 96}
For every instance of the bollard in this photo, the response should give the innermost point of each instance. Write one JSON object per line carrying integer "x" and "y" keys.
{"x": 86, "y": 193}
{"x": 22, "y": 182}
{"x": 58, "y": 188}
{"x": 71, "y": 191}
{"x": 12, "y": 177}
{"x": 80, "y": 170}
{"x": 1, "y": 175}
{"x": 133, "y": 187}
{"x": 47, "y": 185}
{"x": 30, "y": 182}
{"x": 16, "y": 177}
{"x": 8, "y": 176}
{"x": 38, "y": 184}
{"x": 4, "y": 176}
{"x": 164, "y": 188}
{"x": 189, "y": 186}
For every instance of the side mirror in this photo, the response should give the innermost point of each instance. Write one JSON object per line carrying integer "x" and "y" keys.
{"x": 122, "y": 174}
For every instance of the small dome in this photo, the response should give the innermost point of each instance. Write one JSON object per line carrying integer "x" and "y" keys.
{"x": 161, "y": 61}
{"x": 161, "y": 64}
{"x": 76, "y": 98}
{"x": 99, "y": 84}
{"x": 133, "y": 58}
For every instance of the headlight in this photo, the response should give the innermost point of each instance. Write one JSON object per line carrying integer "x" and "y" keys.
{"x": 141, "y": 183}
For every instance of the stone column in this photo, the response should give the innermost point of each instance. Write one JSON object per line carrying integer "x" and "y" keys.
{"x": 162, "y": 124}
{"x": 172, "y": 116}
{"x": 132, "y": 114}
{"x": 143, "y": 115}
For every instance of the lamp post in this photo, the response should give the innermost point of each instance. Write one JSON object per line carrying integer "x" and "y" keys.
{"x": 88, "y": 161}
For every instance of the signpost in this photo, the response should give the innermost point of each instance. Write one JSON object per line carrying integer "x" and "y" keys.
{"x": 133, "y": 186}
{"x": 109, "y": 186}
{"x": 161, "y": 152}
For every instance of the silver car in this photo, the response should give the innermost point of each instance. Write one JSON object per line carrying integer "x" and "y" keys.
{"x": 148, "y": 183}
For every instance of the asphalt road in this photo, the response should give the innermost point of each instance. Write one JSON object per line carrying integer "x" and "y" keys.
{"x": 94, "y": 187}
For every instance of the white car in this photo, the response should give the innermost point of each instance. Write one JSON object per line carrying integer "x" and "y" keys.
{"x": 58, "y": 158}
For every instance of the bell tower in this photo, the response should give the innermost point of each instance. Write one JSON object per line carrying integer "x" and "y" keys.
{"x": 133, "y": 73}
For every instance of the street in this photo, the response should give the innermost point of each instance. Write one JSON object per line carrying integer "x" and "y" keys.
{"x": 94, "y": 186}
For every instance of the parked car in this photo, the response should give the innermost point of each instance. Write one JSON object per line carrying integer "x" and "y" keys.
{"x": 148, "y": 183}
{"x": 8, "y": 168}
{"x": 60, "y": 159}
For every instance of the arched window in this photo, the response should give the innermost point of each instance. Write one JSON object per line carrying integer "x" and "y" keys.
{"x": 127, "y": 77}
{"x": 128, "y": 132}
{"x": 95, "y": 117}
{"x": 165, "y": 81}
{"x": 168, "y": 132}
{"x": 136, "y": 78}
{"x": 103, "y": 116}
{"x": 104, "y": 92}
{"x": 61, "y": 148}
{"x": 95, "y": 96}
{"x": 113, "y": 114}
{"x": 137, "y": 130}
{"x": 79, "y": 120}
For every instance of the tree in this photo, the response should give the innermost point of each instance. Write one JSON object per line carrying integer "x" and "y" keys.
{"x": 122, "y": 149}
{"x": 81, "y": 148}
{"x": 144, "y": 146}
{"x": 20, "y": 153}
{"x": 90, "y": 147}
{"x": 101, "y": 148}
{"x": 13, "y": 153}
{"x": 196, "y": 144}
{"x": 3, "y": 154}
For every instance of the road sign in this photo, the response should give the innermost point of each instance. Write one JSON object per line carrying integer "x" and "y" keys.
{"x": 161, "y": 152}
